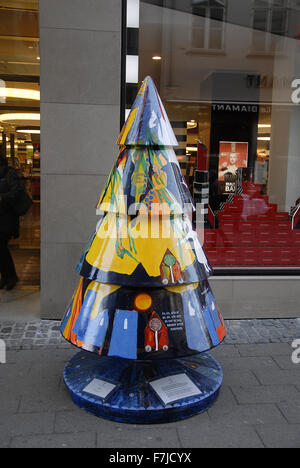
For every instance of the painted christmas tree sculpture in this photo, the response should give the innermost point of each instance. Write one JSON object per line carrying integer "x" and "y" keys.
{"x": 143, "y": 307}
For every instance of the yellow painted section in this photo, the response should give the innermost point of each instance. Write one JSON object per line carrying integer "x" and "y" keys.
{"x": 147, "y": 250}
{"x": 143, "y": 87}
{"x": 102, "y": 291}
{"x": 127, "y": 126}
{"x": 182, "y": 288}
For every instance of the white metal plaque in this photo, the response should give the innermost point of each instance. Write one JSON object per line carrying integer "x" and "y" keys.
{"x": 175, "y": 387}
{"x": 99, "y": 388}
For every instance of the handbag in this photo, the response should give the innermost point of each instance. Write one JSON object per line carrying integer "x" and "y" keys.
{"x": 23, "y": 203}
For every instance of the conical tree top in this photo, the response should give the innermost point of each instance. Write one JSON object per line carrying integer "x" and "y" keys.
{"x": 146, "y": 175}
{"x": 147, "y": 123}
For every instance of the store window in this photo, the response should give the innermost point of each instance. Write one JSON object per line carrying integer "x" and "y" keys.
{"x": 20, "y": 122}
{"x": 237, "y": 115}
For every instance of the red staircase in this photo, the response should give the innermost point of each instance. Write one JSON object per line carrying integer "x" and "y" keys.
{"x": 252, "y": 233}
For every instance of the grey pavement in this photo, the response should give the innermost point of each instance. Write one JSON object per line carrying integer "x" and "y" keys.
{"x": 19, "y": 303}
{"x": 258, "y": 406}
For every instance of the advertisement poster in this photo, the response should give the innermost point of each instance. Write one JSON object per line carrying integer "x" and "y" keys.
{"x": 232, "y": 156}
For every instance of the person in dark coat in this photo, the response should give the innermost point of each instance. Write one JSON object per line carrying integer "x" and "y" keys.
{"x": 10, "y": 188}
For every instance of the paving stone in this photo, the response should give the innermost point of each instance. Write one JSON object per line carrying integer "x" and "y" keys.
{"x": 10, "y": 357}
{"x": 4, "y": 439}
{"x": 286, "y": 363}
{"x": 247, "y": 363}
{"x": 16, "y": 372}
{"x": 29, "y": 383}
{"x": 80, "y": 421}
{"x": 42, "y": 356}
{"x": 192, "y": 424}
{"x": 47, "y": 369}
{"x": 9, "y": 404}
{"x": 280, "y": 436}
{"x": 243, "y": 378}
{"x": 220, "y": 435}
{"x": 27, "y": 424}
{"x": 46, "y": 402}
{"x": 246, "y": 414}
{"x": 226, "y": 398}
{"x": 291, "y": 411}
{"x": 256, "y": 350}
{"x": 143, "y": 438}
{"x": 29, "y": 335}
{"x": 265, "y": 394}
{"x": 78, "y": 440}
{"x": 225, "y": 351}
{"x": 278, "y": 377}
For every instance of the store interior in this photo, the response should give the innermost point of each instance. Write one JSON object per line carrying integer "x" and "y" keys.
{"x": 20, "y": 123}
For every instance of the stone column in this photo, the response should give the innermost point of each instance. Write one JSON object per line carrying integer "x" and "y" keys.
{"x": 80, "y": 118}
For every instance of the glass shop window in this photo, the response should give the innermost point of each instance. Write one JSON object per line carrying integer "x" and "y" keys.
{"x": 237, "y": 118}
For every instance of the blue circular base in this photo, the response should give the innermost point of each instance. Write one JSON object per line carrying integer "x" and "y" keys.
{"x": 133, "y": 399}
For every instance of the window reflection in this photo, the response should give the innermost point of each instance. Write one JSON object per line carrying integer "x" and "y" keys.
{"x": 226, "y": 78}
{"x": 208, "y": 24}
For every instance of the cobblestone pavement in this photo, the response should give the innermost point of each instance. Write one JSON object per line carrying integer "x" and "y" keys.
{"x": 258, "y": 406}
{"x": 41, "y": 333}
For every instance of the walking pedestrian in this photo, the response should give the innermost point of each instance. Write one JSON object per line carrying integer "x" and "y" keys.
{"x": 10, "y": 188}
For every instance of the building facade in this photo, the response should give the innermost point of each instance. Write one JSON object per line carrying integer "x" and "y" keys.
{"x": 228, "y": 72}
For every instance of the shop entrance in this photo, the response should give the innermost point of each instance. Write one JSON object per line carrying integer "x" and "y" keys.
{"x": 20, "y": 126}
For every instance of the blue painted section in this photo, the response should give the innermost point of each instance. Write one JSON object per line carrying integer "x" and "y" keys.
{"x": 211, "y": 327}
{"x": 195, "y": 334}
{"x": 87, "y": 248}
{"x": 211, "y": 303}
{"x": 132, "y": 378}
{"x": 124, "y": 335}
{"x": 151, "y": 125}
{"x": 96, "y": 329}
{"x": 84, "y": 315}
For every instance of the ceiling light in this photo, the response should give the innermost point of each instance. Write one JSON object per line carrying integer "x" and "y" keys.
{"x": 191, "y": 148}
{"x": 264, "y": 125}
{"x": 191, "y": 124}
{"x": 20, "y": 94}
{"x": 12, "y": 117}
{"x": 28, "y": 130}
{"x": 156, "y": 57}
{"x": 264, "y": 138}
